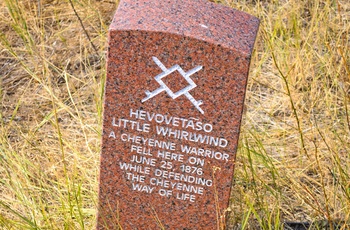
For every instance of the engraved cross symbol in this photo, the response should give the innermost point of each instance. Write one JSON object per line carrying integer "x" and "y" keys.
{"x": 164, "y": 87}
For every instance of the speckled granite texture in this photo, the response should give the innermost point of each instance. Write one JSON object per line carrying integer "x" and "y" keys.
{"x": 179, "y": 65}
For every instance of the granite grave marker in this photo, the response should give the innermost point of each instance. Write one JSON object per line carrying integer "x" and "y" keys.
{"x": 176, "y": 78}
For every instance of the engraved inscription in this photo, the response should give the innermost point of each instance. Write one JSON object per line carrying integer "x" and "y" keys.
{"x": 165, "y": 167}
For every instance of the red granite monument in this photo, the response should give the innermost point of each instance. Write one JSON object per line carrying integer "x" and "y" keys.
{"x": 176, "y": 79}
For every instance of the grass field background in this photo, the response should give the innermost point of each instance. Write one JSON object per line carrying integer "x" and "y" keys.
{"x": 293, "y": 162}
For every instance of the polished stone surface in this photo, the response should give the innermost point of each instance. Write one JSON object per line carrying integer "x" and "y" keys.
{"x": 176, "y": 78}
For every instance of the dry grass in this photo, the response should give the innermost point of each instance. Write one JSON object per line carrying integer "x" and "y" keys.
{"x": 294, "y": 156}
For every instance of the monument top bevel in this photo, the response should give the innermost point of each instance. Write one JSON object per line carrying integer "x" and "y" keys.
{"x": 190, "y": 18}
